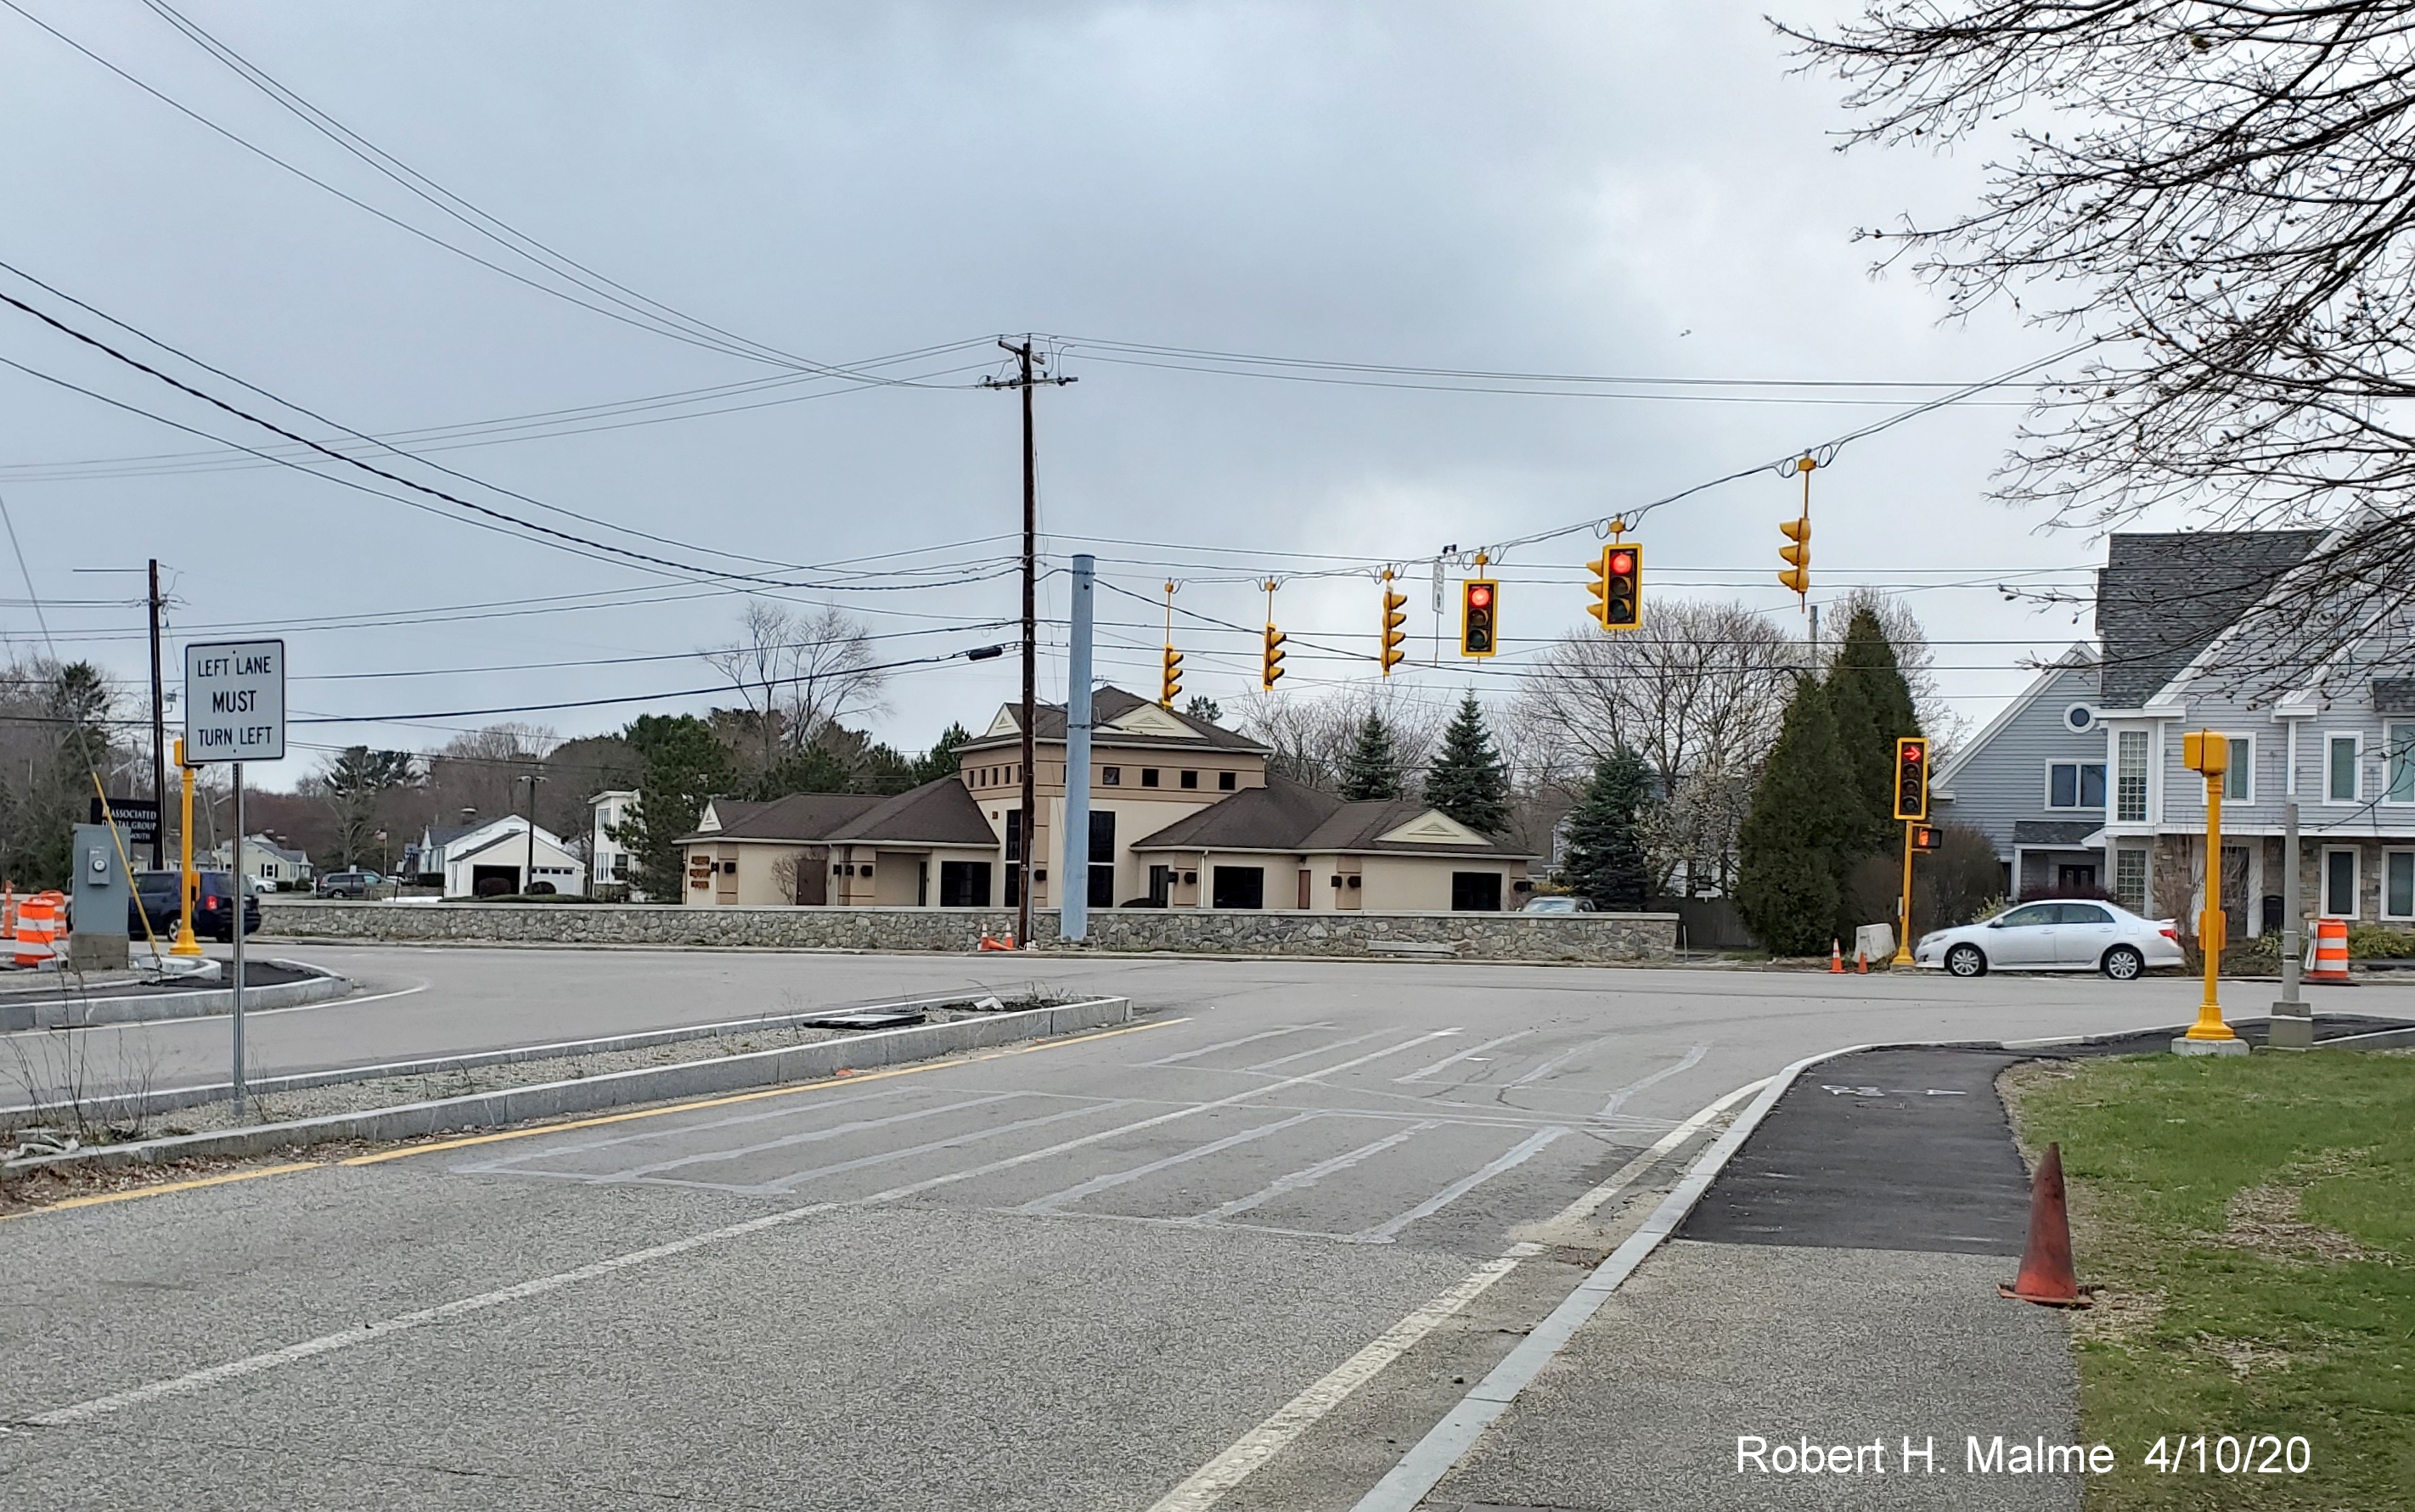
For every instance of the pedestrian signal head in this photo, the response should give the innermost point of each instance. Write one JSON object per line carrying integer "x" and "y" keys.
{"x": 1395, "y": 614}
{"x": 1621, "y": 574}
{"x": 1912, "y": 778}
{"x": 1270, "y": 671}
{"x": 1171, "y": 687}
{"x": 1796, "y": 554}
{"x": 1480, "y": 607}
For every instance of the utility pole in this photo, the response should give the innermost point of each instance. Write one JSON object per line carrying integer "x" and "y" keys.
{"x": 158, "y": 735}
{"x": 1027, "y": 378}
{"x": 528, "y": 873}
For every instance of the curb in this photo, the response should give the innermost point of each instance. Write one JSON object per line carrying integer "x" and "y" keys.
{"x": 51, "y": 1012}
{"x": 655, "y": 1084}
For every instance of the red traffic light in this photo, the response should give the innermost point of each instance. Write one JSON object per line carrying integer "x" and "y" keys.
{"x": 1622, "y": 563}
{"x": 1480, "y": 596}
{"x": 1914, "y": 752}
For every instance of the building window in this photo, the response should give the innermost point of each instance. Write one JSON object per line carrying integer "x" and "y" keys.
{"x": 2130, "y": 877}
{"x": 1190, "y": 779}
{"x": 1227, "y": 781}
{"x": 2339, "y": 883}
{"x": 2079, "y": 716}
{"x": 1148, "y": 776}
{"x": 1239, "y": 887}
{"x": 2339, "y": 768}
{"x": 2398, "y": 884}
{"x": 2130, "y": 748}
{"x": 1111, "y": 776}
{"x": 2239, "y": 777}
{"x": 2075, "y": 784}
{"x": 2401, "y": 764}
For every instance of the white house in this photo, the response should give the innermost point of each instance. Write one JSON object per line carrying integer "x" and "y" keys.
{"x": 491, "y": 858}
{"x": 611, "y": 860}
{"x": 266, "y": 862}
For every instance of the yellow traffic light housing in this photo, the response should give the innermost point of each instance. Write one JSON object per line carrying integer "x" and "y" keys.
{"x": 1912, "y": 778}
{"x": 1622, "y": 574}
{"x": 2205, "y": 752}
{"x": 1270, "y": 671}
{"x": 1170, "y": 687}
{"x": 1479, "y": 610}
{"x": 1797, "y": 554}
{"x": 1395, "y": 614}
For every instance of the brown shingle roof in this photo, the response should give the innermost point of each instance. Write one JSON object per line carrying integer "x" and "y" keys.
{"x": 1288, "y": 816}
{"x": 939, "y": 813}
{"x": 797, "y": 816}
{"x": 1107, "y": 704}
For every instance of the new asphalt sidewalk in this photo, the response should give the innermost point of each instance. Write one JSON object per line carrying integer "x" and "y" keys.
{"x": 1823, "y": 1330}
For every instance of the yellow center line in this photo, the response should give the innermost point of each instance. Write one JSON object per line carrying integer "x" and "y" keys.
{"x": 856, "y": 1079}
{"x": 163, "y": 1189}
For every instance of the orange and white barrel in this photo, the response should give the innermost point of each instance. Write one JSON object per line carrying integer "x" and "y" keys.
{"x": 2331, "y": 951}
{"x": 37, "y": 929}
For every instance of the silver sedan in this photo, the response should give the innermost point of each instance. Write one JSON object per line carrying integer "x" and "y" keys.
{"x": 2064, "y": 936}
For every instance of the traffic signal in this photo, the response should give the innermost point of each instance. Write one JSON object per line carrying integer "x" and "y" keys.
{"x": 1622, "y": 575}
{"x": 1925, "y": 837}
{"x": 1797, "y": 554}
{"x": 1479, "y": 605}
{"x": 1395, "y": 614}
{"x": 1171, "y": 687}
{"x": 1912, "y": 778}
{"x": 1272, "y": 668}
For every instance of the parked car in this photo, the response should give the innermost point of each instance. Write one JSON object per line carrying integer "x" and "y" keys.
{"x": 347, "y": 883}
{"x": 1558, "y": 906}
{"x": 2062, "y": 936}
{"x": 156, "y": 896}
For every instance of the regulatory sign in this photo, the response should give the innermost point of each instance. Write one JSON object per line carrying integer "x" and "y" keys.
{"x": 234, "y": 701}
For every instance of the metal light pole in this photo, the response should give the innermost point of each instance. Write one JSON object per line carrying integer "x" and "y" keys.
{"x": 1074, "y": 920}
{"x": 2292, "y": 1025}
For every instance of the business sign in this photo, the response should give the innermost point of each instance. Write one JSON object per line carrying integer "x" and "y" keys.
{"x": 137, "y": 816}
{"x": 234, "y": 701}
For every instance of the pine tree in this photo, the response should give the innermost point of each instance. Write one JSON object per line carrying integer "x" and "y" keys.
{"x": 686, "y": 764}
{"x": 1373, "y": 769}
{"x": 1872, "y": 707}
{"x": 1467, "y": 780}
{"x": 1796, "y": 843}
{"x": 1606, "y": 861}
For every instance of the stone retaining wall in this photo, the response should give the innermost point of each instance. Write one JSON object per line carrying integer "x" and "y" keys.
{"x": 1593, "y": 937}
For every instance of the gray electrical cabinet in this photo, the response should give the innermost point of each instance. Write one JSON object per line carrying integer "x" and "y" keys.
{"x": 98, "y": 893}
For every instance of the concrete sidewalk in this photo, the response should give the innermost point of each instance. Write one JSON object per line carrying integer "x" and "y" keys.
{"x": 1835, "y": 1287}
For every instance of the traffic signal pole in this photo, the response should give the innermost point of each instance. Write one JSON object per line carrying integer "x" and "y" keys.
{"x": 1903, "y": 931}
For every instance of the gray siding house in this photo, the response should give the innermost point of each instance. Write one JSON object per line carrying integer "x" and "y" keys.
{"x": 2181, "y": 649}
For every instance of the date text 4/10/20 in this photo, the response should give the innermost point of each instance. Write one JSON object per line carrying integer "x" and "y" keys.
{"x": 2228, "y": 1453}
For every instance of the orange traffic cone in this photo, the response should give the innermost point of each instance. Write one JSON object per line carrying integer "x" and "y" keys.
{"x": 2047, "y": 1275}
{"x": 1009, "y": 941}
{"x": 2330, "y": 954}
{"x": 1861, "y": 961}
{"x": 1836, "y": 959}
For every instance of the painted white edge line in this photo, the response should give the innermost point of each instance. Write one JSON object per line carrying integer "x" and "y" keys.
{"x": 1423, "y": 1467}
{"x": 1253, "y": 1451}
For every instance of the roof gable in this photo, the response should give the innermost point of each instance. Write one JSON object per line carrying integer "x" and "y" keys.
{"x": 1003, "y": 725}
{"x": 1434, "y": 828}
{"x": 1148, "y": 719}
{"x": 2162, "y": 599}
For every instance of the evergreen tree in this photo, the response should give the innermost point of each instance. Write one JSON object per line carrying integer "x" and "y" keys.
{"x": 1202, "y": 707}
{"x": 1606, "y": 861}
{"x": 1467, "y": 780}
{"x": 685, "y": 765}
{"x": 940, "y": 759}
{"x": 1373, "y": 769}
{"x": 1872, "y": 707}
{"x": 1797, "y": 839}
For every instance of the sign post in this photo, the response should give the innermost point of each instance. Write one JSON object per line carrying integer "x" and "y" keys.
{"x": 234, "y": 712}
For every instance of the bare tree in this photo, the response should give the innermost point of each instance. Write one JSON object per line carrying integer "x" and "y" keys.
{"x": 799, "y": 673}
{"x": 481, "y": 769}
{"x": 2217, "y": 192}
{"x": 1311, "y": 736}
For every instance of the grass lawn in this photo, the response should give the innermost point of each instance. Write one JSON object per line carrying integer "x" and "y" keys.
{"x": 2251, "y": 1221}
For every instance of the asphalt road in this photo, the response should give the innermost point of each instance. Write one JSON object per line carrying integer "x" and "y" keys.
{"x": 1073, "y": 1276}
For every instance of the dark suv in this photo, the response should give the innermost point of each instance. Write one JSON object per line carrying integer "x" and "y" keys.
{"x": 156, "y": 897}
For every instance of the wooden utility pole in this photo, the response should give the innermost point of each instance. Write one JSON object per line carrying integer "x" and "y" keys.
{"x": 1027, "y": 378}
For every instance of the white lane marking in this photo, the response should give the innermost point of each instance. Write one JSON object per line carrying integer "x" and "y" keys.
{"x": 1230, "y": 1044}
{"x": 1448, "y": 1061}
{"x": 1304, "y": 1055}
{"x": 96, "y": 1407}
{"x": 1693, "y": 1057}
{"x": 204, "y": 1018}
{"x": 335, "y": 1002}
{"x": 496, "y": 1164}
{"x": 929, "y": 1183}
{"x": 1561, "y": 1060}
{"x": 1618, "y": 1182}
{"x": 1313, "y": 1174}
{"x": 1526, "y": 1150}
{"x": 810, "y": 1136}
{"x": 1112, "y": 1180}
{"x": 1210, "y": 1481}
{"x": 795, "y": 1179}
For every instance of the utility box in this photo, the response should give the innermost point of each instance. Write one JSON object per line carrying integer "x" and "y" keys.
{"x": 1875, "y": 943}
{"x": 98, "y": 893}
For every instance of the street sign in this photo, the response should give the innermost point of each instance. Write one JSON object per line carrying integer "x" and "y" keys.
{"x": 234, "y": 701}
{"x": 137, "y": 816}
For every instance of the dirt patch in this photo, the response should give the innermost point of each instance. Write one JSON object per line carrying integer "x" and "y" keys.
{"x": 2269, "y": 1220}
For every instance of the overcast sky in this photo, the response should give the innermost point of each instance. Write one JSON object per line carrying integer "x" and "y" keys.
{"x": 1611, "y": 189}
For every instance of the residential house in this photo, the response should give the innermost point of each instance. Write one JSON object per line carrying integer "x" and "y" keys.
{"x": 2032, "y": 781}
{"x": 1183, "y": 814}
{"x": 481, "y": 859}
{"x": 2180, "y": 649}
{"x": 266, "y": 863}
{"x": 607, "y": 859}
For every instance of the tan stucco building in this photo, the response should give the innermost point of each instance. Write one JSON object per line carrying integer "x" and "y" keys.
{"x": 1184, "y": 815}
